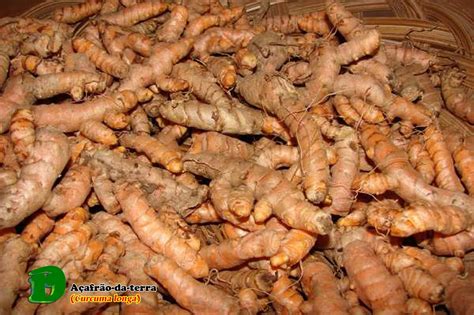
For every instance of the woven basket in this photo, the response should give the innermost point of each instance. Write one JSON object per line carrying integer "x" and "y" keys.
{"x": 45, "y": 9}
{"x": 441, "y": 27}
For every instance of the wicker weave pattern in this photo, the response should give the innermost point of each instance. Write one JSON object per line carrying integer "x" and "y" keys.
{"x": 45, "y": 9}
